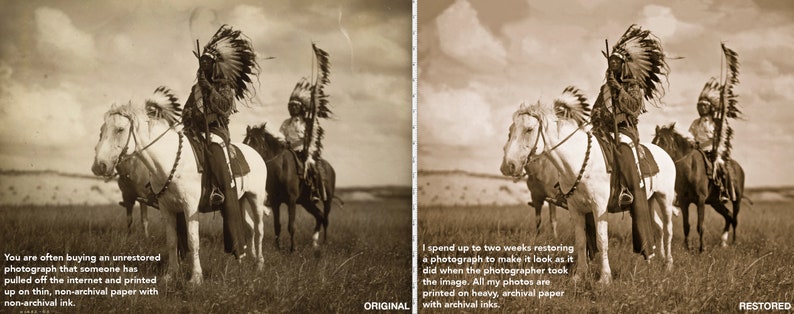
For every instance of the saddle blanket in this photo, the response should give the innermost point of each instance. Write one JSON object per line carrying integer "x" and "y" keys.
{"x": 648, "y": 166}
{"x": 239, "y": 166}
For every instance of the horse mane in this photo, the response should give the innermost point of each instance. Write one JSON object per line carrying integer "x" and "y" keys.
{"x": 260, "y": 138}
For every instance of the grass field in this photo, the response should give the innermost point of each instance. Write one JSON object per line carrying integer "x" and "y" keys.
{"x": 367, "y": 258}
{"x": 758, "y": 268}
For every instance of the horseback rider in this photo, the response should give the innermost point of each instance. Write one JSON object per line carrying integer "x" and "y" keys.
{"x": 224, "y": 66}
{"x": 616, "y": 111}
{"x": 703, "y": 130}
{"x": 294, "y": 131}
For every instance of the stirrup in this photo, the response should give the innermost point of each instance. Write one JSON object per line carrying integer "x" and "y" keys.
{"x": 216, "y": 197}
{"x": 149, "y": 200}
{"x": 625, "y": 197}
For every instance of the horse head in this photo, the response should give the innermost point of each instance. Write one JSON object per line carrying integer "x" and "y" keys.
{"x": 528, "y": 133}
{"x": 267, "y": 144}
{"x": 523, "y": 139}
{"x": 672, "y": 142}
{"x": 122, "y": 127}
{"x": 115, "y": 137}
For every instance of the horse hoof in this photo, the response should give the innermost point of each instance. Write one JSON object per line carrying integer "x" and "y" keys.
{"x": 605, "y": 280}
{"x": 576, "y": 278}
{"x": 195, "y": 281}
{"x": 668, "y": 266}
{"x": 260, "y": 266}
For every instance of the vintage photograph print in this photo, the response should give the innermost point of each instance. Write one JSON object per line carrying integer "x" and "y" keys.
{"x": 604, "y": 156}
{"x": 205, "y": 156}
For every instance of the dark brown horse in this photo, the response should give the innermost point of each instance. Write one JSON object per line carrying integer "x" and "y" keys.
{"x": 284, "y": 186}
{"x": 692, "y": 184}
{"x": 541, "y": 179}
{"x": 133, "y": 180}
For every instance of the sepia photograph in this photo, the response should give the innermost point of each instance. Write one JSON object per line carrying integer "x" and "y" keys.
{"x": 604, "y": 156}
{"x": 206, "y": 156}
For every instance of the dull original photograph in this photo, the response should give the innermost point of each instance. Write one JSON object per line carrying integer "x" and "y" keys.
{"x": 604, "y": 156}
{"x": 205, "y": 156}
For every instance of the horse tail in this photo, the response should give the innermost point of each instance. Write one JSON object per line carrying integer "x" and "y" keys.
{"x": 341, "y": 202}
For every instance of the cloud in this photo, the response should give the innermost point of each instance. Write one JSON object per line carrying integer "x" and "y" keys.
{"x": 662, "y": 22}
{"x": 40, "y": 116}
{"x": 463, "y": 37}
{"x": 454, "y": 117}
{"x": 57, "y": 33}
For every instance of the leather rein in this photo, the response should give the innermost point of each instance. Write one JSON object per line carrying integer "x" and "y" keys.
{"x": 541, "y": 134}
{"x": 123, "y": 155}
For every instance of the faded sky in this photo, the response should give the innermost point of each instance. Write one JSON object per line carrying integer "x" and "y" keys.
{"x": 63, "y": 63}
{"x": 478, "y": 60}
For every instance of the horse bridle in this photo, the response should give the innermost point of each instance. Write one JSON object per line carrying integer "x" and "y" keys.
{"x": 123, "y": 155}
{"x": 546, "y": 151}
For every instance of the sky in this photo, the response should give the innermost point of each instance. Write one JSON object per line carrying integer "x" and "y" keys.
{"x": 478, "y": 60}
{"x": 63, "y": 63}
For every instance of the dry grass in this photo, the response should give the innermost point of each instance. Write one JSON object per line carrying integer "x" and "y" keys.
{"x": 757, "y": 268}
{"x": 367, "y": 258}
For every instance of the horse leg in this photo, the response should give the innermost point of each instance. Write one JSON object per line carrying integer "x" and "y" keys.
{"x": 169, "y": 222}
{"x": 720, "y": 207}
{"x": 276, "y": 221}
{"x": 538, "y": 220}
{"x": 553, "y": 218}
{"x": 191, "y": 220}
{"x": 701, "y": 213}
{"x": 602, "y": 227}
{"x": 577, "y": 219}
{"x": 291, "y": 227}
{"x": 326, "y": 212}
{"x": 318, "y": 218}
{"x": 737, "y": 204}
{"x": 685, "y": 212}
{"x": 254, "y": 228}
{"x": 259, "y": 227}
{"x": 667, "y": 209}
{"x": 144, "y": 218}
{"x": 128, "y": 207}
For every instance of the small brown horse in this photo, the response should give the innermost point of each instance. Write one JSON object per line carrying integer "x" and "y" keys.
{"x": 541, "y": 180}
{"x": 692, "y": 184}
{"x": 133, "y": 181}
{"x": 284, "y": 185}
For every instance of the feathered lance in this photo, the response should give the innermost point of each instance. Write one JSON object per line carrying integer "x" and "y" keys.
{"x": 615, "y": 109}
{"x": 207, "y": 140}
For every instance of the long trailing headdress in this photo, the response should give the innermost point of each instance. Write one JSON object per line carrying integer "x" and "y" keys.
{"x": 234, "y": 59}
{"x": 723, "y": 101}
{"x": 643, "y": 59}
{"x": 163, "y": 105}
{"x": 318, "y": 106}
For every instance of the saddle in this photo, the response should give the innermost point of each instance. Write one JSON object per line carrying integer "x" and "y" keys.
{"x": 648, "y": 168}
{"x": 237, "y": 161}
{"x": 313, "y": 179}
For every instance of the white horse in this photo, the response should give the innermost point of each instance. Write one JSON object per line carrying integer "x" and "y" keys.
{"x": 174, "y": 177}
{"x": 536, "y": 130}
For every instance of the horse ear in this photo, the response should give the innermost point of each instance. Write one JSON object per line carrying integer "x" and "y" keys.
{"x": 247, "y": 128}
{"x": 523, "y": 106}
{"x": 672, "y": 126}
{"x": 657, "y": 129}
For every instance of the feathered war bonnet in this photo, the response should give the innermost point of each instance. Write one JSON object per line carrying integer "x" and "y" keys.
{"x": 301, "y": 95}
{"x": 643, "y": 60}
{"x": 233, "y": 59}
